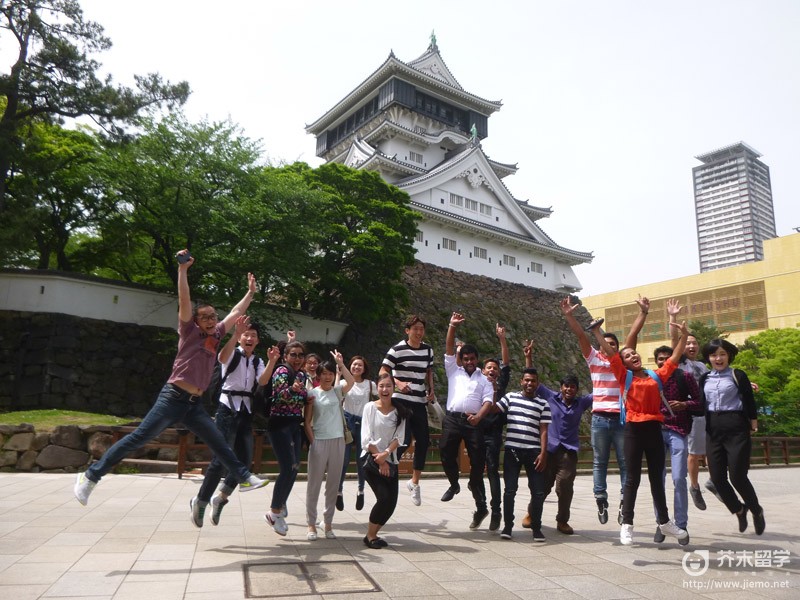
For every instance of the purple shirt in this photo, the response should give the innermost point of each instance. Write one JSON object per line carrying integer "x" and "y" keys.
{"x": 563, "y": 428}
{"x": 682, "y": 421}
{"x": 197, "y": 353}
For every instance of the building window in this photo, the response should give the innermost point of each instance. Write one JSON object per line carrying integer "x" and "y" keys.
{"x": 471, "y": 204}
{"x": 419, "y": 129}
{"x": 415, "y": 157}
{"x": 456, "y": 200}
{"x": 448, "y": 244}
{"x": 479, "y": 253}
{"x": 486, "y": 210}
{"x": 536, "y": 267}
{"x": 418, "y": 237}
{"x": 509, "y": 260}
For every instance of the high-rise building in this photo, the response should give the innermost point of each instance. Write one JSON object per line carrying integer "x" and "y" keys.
{"x": 733, "y": 206}
{"x": 413, "y": 123}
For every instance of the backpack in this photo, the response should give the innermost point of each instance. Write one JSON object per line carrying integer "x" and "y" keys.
{"x": 214, "y": 390}
{"x": 629, "y": 381}
{"x": 264, "y": 395}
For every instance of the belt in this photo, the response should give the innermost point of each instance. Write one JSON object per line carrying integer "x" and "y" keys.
{"x": 457, "y": 415}
{"x": 191, "y": 397}
{"x": 606, "y": 414}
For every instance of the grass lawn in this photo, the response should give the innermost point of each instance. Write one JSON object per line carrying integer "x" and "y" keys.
{"x": 47, "y": 420}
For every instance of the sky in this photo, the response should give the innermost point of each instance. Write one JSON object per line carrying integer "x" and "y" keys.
{"x": 605, "y": 104}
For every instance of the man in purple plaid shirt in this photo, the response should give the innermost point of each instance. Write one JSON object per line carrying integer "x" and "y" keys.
{"x": 683, "y": 395}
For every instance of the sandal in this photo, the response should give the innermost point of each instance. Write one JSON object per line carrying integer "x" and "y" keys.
{"x": 375, "y": 544}
{"x": 595, "y": 323}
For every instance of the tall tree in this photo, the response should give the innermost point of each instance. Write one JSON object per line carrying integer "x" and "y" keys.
{"x": 706, "y": 331}
{"x": 54, "y": 76}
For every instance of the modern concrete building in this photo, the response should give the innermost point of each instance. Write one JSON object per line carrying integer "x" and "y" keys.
{"x": 742, "y": 300}
{"x": 733, "y": 207}
{"x": 413, "y": 123}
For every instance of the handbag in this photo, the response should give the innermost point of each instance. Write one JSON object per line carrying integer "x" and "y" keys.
{"x": 348, "y": 435}
{"x": 435, "y": 415}
{"x": 373, "y": 467}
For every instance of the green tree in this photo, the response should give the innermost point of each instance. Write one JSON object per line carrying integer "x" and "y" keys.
{"x": 706, "y": 331}
{"x": 54, "y": 76}
{"x": 772, "y": 360}
{"x": 364, "y": 237}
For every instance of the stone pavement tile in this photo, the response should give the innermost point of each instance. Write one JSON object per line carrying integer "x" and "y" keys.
{"x": 7, "y": 525}
{"x": 120, "y": 544}
{"x": 661, "y": 591}
{"x": 6, "y": 560}
{"x": 516, "y": 578}
{"x": 167, "y": 552}
{"x": 174, "y": 537}
{"x": 215, "y": 579}
{"x": 74, "y": 539}
{"x": 478, "y": 590}
{"x": 618, "y": 574}
{"x": 238, "y": 595}
{"x": 521, "y": 547}
{"x": 151, "y": 590}
{"x": 22, "y": 592}
{"x": 159, "y": 570}
{"x": 101, "y": 561}
{"x": 84, "y": 585}
{"x": 567, "y": 552}
{"x": 26, "y": 573}
{"x": 480, "y": 560}
{"x": 27, "y": 533}
{"x": 130, "y": 531}
{"x": 546, "y": 566}
{"x": 450, "y": 570}
{"x": 209, "y": 558}
{"x": 52, "y": 553}
{"x": 89, "y": 525}
{"x": 381, "y": 561}
{"x": 551, "y": 594}
{"x": 7, "y": 546}
{"x": 408, "y": 585}
{"x": 633, "y": 559}
{"x": 314, "y": 554}
{"x": 590, "y": 586}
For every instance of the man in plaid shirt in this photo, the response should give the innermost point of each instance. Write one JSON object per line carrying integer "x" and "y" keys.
{"x": 683, "y": 395}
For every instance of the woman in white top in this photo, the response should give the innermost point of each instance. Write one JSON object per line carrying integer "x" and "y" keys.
{"x": 355, "y": 400}
{"x": 325, "y": 430}
{"x": 383, "y": 426}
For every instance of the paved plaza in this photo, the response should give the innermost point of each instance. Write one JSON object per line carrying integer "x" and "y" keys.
{"x": 135, "y": 541}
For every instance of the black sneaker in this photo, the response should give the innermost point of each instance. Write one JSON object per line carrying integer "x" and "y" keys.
{"x": 477, "y": 518}
{"x": 697, "y": 497}
{"x": 538, "y": 536}
{"x": 360, "y": 501}
{"x": 494, "y": 523}
{"x": 619, "y": 514}
{"x": 339, "y": 502}
{"x": 742, "y": 516}
{"x": 713, "y": 489}
{"x": 602, "y": 511}
{"x": 659, "y": 537}
{"x": 506, "y": 533}
{"x": 758, "y": 522}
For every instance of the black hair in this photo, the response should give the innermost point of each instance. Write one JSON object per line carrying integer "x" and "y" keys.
{"x": 569, "y": 379}
{"x": 492, "y": 359}
{"x": 326, "y": 365}
{"x": 291, "y": 346}
{"x": 662, "y": 350}
{"x": 467, "y": 349}
{"x": 402, "y": 411}
{"x": 255, "y": 327}
{"x": 608, "y": 334}
{"x": 413, "y": 320}
{"x": 365, "y": 374}
{"x": 717, "y": 343}
{"x": 530, "y": 371}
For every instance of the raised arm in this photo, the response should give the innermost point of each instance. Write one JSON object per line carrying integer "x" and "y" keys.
{"x": 678, "y": 349}
{"x": 349, "y": 380}
{"x": 605, "y": 347}
{"x": 638, "y": 322}
{"x": 673, "y": 310}
{"x": 242, "y": 323}
{"x": 505, "y": 357}
{"x": 243, "y": 304}
{"x": 184, "y": 297}
{"x": 273, "y": 356}
{"x": 456, "y": 319}
{"x": 567, "y": 309}
{"x": 527, "y": 350}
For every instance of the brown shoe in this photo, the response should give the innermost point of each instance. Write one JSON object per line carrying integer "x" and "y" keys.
{"x": 565, "y": 528}
{"x": 526, "y": 521}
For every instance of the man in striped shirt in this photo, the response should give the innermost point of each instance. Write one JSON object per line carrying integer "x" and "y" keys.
{"x": 409, "y": 363}
{"x": 527, "y": 418}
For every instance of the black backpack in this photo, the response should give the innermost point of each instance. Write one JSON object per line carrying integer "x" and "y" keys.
{"x": 214, "y": 390}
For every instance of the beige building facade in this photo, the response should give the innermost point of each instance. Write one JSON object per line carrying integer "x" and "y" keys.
{"x": 742, "y": 300}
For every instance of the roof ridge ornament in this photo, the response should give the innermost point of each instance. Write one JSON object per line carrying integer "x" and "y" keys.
{"x": 473, "y": 135}
{"x": 433, "y": 47}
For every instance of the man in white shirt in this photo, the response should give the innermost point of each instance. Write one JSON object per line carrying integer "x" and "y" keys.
{"x": 470, "y": 396}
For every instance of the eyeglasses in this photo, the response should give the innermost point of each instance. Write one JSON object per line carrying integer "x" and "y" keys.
{"x": 211, "y": 317}
{"x": 296, "y": 355}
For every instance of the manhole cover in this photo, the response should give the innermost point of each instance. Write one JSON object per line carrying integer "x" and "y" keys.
{"x": 275, "y": 580}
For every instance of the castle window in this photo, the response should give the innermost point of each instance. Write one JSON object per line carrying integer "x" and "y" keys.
{"x": 486, "y": 209}
{"x": 448, "y": 244}
{"x": 456, "y": 200}
{"x": 418, "y": 237}
{"x": 479, "y": 253}
{"x": 471, "y": 204}
{"x": 509, "y": 260}
{"x": 415, "y": 157}
{"x": 536, "y": 267}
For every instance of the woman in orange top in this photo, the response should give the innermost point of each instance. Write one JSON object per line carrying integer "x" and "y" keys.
{"x": 643, "y": 432}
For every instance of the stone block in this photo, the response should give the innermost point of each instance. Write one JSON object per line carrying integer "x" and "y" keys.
{"x": 40, "y": 441}
{"x": 69, "y": 436}
{"x": 19, "y": 442}
{"x": 99, "y": 442}
{"x": 27, "y": 460}
{"x": 31, "y": 385}
{"x": 61, "y": 372}
{"x": 59, "y": 457}
{"x": 8, "y": 458}
{"x": 168, "y": 454}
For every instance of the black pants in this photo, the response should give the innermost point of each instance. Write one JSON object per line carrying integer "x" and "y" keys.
{"x": 493, "y": 439}
{"x": 385, "y": 490}
{"x": 417, "y": 425}
{"x": 644, "y": 439}
{"x": 728, "y": 447}
{"x": 454, "y": 429}
{"x": 514, "y": 461}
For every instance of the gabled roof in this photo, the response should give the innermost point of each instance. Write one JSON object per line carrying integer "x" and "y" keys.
{"x": 361, "y": 155}
{"x": 442, "y": 83}
{"x": 472, "y": 164}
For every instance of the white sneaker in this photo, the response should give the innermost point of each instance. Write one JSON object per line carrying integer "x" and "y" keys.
{"x": 277, "y": 522}
{"x": 670, "y": 528}
{"x": 416, "y": 497}
{"x": 197, "y": 511}
{"x": 284, "y": 511}
{"x": 83, "y": 488}
{"x": 217, "y": 504}
{"x": 626, "y": 534}
{"x": 253, "y": 483}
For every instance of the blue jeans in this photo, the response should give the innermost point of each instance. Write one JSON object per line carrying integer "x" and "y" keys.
{"x": 607, "y": 431}
{"x": 677, "y": 446}
{"x": 513, "y": 462}
{"x": 354, "y": 425}
{"x": 237, "y": 429}
{"x": 285, "y": 440}
{"x": 172, "y": 405}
